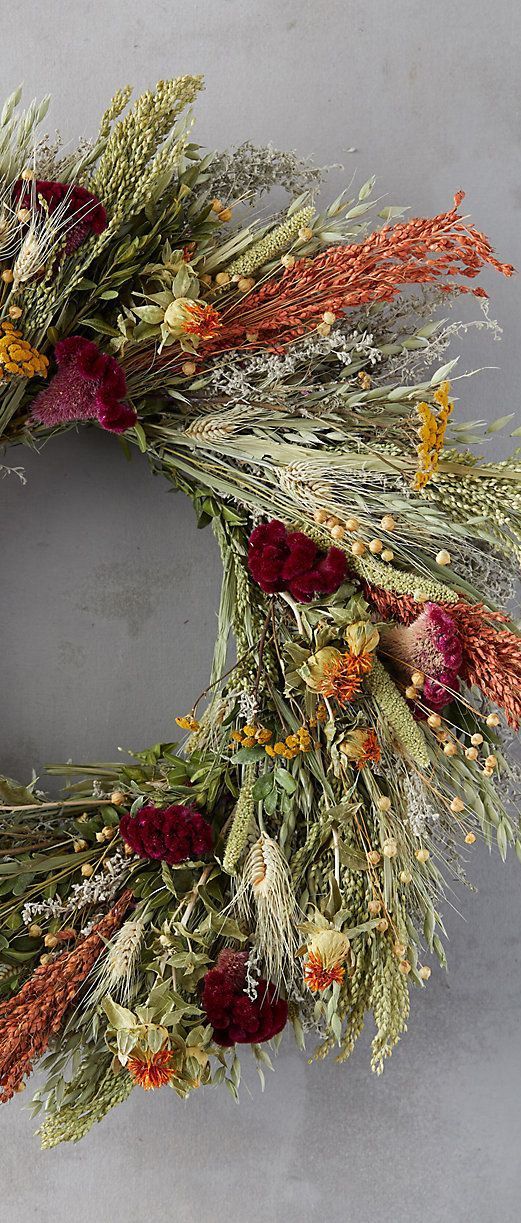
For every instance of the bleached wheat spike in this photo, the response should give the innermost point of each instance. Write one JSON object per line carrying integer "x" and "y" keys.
{"x": 30, "y": 259}
{"x": 210, "y": 428}
{"x": 299, "y": 481}
{"x": 119, "y": 967}
{"x": 265, "y": 899}
{"x": 45, "y": 237}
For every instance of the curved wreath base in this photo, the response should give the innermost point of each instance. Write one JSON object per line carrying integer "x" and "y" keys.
{"x": 286, "y": 865}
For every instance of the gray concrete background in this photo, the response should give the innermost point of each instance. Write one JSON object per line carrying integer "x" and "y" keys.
{"x": 109, "y": 598}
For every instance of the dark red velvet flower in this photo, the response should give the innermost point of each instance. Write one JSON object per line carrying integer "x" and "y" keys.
{"x": 88, "y": 385}
{"x": 80, "y": 213}
{"x": 167, "y": 834}
{"x": 236, "y": 1018}
{"x": 279, "y": 559}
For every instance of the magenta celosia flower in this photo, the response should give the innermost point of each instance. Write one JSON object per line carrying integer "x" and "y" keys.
{"x": 88, "y": 385}
{"x": 78, "y": 212}
{"x": 236, "y": 1018}
{"x": 279, "y": 559}
{"x": 431, "y": 644}
{"x": 167, "y": 834}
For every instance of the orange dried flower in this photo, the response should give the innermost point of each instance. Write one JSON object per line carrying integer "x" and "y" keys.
{"x": 343, "y": 677}
{"x": 371, "y": 751}
{"x": 491, "y": 656}
{"x": 361, "y": 746}
{"x": 327, "y": 952}
{"x": 203, "y": 321}
{"x": 317, "y": 977}
{"x": 151, "y": 1070}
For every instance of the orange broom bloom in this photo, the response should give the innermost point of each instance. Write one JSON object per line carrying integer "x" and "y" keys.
{"x": 491, "y": 656}
{"x": 343, "y": 677}
{"x": 327, "y": 952}
{"x": 361, "y": 745}
{"x": 151, "y": 1070}
{"x": 203, "y": 321}
{"x": 370, "y": 750}
{"x": 318, "y": 977}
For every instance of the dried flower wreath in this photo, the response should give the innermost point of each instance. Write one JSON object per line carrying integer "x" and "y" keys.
{"x": 288, "y": 864}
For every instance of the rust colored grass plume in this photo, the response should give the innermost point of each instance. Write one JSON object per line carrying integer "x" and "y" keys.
{"x": 420, "y": 251}
{"x": 491, "y": 656}
{"x": 30, "y": 1019}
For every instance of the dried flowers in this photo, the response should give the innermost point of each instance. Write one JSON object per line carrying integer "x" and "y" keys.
{"x": 235, "y": 1017}
{"x": 151, "y": 1070}
{"x": 88, "y": 385}
{"x": 169, "y": 834}
{"x": 432, "y": 435}
{"x": 361, "y": 745}
{"x": 432, "y": 644}
{"x": 76, "y": 213}
{"x": 280, "y": 560}
{"x": 326, "y": 953}
{"x": 28, "y": 1024}
{"x": 18, "y": 359}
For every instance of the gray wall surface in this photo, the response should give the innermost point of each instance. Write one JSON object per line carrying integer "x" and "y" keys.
{"x": 109, "y": 595}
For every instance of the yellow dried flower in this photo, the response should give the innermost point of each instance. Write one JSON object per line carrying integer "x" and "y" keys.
{"x": 17, "y": 356}
{"x": 432, "y": 434}
{"x": 188, "y": 722}
{"x": 362, "y": 637}
{"x": 292, "y": 740}
{"x": 263, "y": 735}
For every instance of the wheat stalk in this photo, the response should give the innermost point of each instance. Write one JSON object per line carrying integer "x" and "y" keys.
{"x": 265, "y": 899}
{"x": 119, "y": 967}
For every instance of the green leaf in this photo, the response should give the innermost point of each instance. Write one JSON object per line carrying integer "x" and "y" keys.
{"x": 166, "y": 875}
{"x": 428, "y": 926}
{"x": 150, "y": 314}
{"x": 500, "y": 423}
{"x": 39, "y": 866}
{"x": 98, "y": 324}
{"x": 439, "y": 950}
{"x": 118, "y": 1016}
{"x": 182, "y": 283}
{"x": 336, "y": 1027}
{"x": 263, "y": 786}
{"x": 392, "y": 211}
{"x": 141, "y": 438}
{"x": 502, "y": 840}
{"x": 13, "y": 794}
{"x": 226, "y": 927}
{"x": 285, "y": 780}
{"x": 367, "y": 188}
